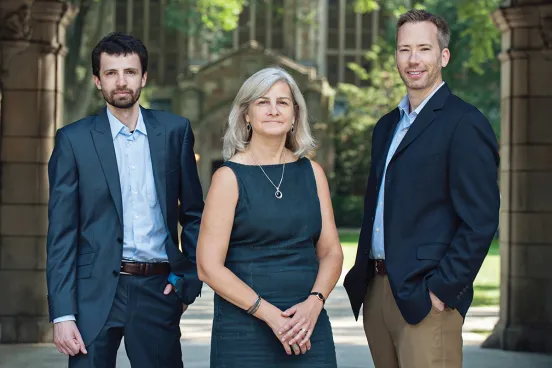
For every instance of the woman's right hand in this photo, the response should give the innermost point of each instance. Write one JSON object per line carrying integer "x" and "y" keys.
{"x": 275, "y": 320}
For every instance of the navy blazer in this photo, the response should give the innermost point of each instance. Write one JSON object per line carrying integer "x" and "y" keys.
{"x": 85, "y": 232}
{"x": 441, "y": 207}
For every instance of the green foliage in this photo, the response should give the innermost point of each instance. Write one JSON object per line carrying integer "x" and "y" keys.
{"x": 366, "y": 6}
{"x": 348, "y": 210}
{"x": 211, "y": 20}
{"x": 484, "y": 36}
{"x": 382, "y": 90}
{"x": 473, "y": 72}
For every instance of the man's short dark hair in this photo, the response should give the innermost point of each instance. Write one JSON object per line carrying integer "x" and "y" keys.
{"x": 118, "y": 43}
{"x": 416, "y": 16}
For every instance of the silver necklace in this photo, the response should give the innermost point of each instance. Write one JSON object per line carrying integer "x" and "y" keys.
{"x": 278, "y": 194}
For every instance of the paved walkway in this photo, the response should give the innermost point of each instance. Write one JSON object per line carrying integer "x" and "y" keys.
{"x": 351, "y": 346}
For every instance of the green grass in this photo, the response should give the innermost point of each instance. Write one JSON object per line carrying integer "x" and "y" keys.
{"x": 487, "y": 282}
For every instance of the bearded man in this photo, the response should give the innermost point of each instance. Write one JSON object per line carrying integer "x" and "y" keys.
{"x": 120, "y": 181}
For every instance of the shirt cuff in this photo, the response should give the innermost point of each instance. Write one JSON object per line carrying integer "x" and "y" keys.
{"x": 70, "y": 317}
{"x": 173, "y": 279}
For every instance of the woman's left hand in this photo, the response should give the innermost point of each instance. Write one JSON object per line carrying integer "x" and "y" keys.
{"x": 299, "y": 328}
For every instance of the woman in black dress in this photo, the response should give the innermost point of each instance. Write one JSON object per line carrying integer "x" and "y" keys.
{"x": 268, "y": 245}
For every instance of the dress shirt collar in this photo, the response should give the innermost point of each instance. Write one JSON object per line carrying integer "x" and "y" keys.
{"x": 404, "y": 105}
{"x": 118, "y": 127}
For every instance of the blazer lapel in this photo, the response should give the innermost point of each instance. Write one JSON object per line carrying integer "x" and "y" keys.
{"x": 158, "y": 149}
{"x": 396, "y": 117}
{"x": 426, "y": 117}
{"x": 103, "y": 141}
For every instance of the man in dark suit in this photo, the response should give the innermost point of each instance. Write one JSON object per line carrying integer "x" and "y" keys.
{"x": 431, "y": 210}
{"x": 120, "y": 182}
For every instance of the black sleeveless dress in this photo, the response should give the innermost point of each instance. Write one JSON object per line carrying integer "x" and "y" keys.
{"x": 272, "y": 249}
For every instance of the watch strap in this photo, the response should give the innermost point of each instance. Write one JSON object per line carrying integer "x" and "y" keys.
{"x": 319, "y": 296}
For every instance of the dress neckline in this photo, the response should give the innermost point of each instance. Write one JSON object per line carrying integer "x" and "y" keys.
{"x": 269, "y": 165}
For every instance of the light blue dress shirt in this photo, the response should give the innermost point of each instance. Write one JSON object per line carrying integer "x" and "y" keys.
{"x": 144, "y": 231}
{"x": 407, "y": 118}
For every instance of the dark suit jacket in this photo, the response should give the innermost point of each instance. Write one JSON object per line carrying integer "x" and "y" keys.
{"x": 85, "y": 232}
{"x": 441, "y": 206}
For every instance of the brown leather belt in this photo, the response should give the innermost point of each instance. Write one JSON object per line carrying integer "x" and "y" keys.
{"x": 145, "y": 269}
{"x": 380, "y": 267}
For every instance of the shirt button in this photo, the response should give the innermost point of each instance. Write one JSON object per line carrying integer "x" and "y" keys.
{"x": 133, "y": 167}
{"x": 135, "y": 192}
{"x": 381, "y": 203}
{"x": 115, "y": 273}
{"x": 136, "y": 217}
{"x": 120, "y": 240}
{"x": 377, "y": 229}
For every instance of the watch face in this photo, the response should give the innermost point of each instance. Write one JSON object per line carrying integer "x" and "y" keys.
{"x": 319, "y": 296}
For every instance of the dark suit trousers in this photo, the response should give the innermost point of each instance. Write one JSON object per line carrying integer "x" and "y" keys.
{"x": 149, "y": 322}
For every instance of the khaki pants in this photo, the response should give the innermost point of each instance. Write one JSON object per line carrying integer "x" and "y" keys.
{"x": 435, "y": 342}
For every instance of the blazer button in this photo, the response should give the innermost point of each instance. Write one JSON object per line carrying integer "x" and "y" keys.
{"x": 120, "y": 240}
{"x": 115, "y": 273}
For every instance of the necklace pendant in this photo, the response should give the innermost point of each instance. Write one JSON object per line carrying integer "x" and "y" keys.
{"x": 278, "y": 194}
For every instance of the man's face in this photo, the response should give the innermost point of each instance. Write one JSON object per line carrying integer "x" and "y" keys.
{"x": 120, "y": 79}
{"x": 418, "y": 56}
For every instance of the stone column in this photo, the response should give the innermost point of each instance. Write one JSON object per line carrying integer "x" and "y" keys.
{"x": 526, "y": 178}
{"x": 322, "y": 45}
{"x": 32, "y": 109}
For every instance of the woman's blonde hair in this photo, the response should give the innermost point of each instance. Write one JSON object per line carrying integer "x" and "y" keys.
{"x": 237, "y": 137}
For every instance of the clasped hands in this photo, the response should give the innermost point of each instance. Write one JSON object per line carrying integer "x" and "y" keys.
{"x": 298, "y": 324}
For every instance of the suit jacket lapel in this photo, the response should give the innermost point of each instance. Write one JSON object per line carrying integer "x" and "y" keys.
{"x": 158, "y": 152}
{"x": 395, "y": 118}
{"x": 425, "y": 118}
{"x": 103, "y": 141}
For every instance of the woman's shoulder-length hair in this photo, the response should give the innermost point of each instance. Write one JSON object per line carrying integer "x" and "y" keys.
{"x": 236, "y": 136}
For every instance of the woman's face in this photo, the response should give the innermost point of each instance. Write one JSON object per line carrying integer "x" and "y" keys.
{"x": 274, "y": 113}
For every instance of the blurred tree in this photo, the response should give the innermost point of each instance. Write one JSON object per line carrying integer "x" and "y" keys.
{"x": 90, "y": 24}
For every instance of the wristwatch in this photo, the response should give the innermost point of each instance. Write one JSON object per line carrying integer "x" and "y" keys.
{"x": 319, "y": 296}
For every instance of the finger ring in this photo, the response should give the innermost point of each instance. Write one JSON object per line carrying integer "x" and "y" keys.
{"x": 302, "y": 329}
{"x": 295, "y": 346}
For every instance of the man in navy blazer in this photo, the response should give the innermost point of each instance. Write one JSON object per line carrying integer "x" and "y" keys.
{"x": 431, "y": 210}
{"x": 120, "y": 181}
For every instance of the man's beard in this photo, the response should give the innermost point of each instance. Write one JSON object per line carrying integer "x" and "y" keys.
{"x": 123, "y": 101}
